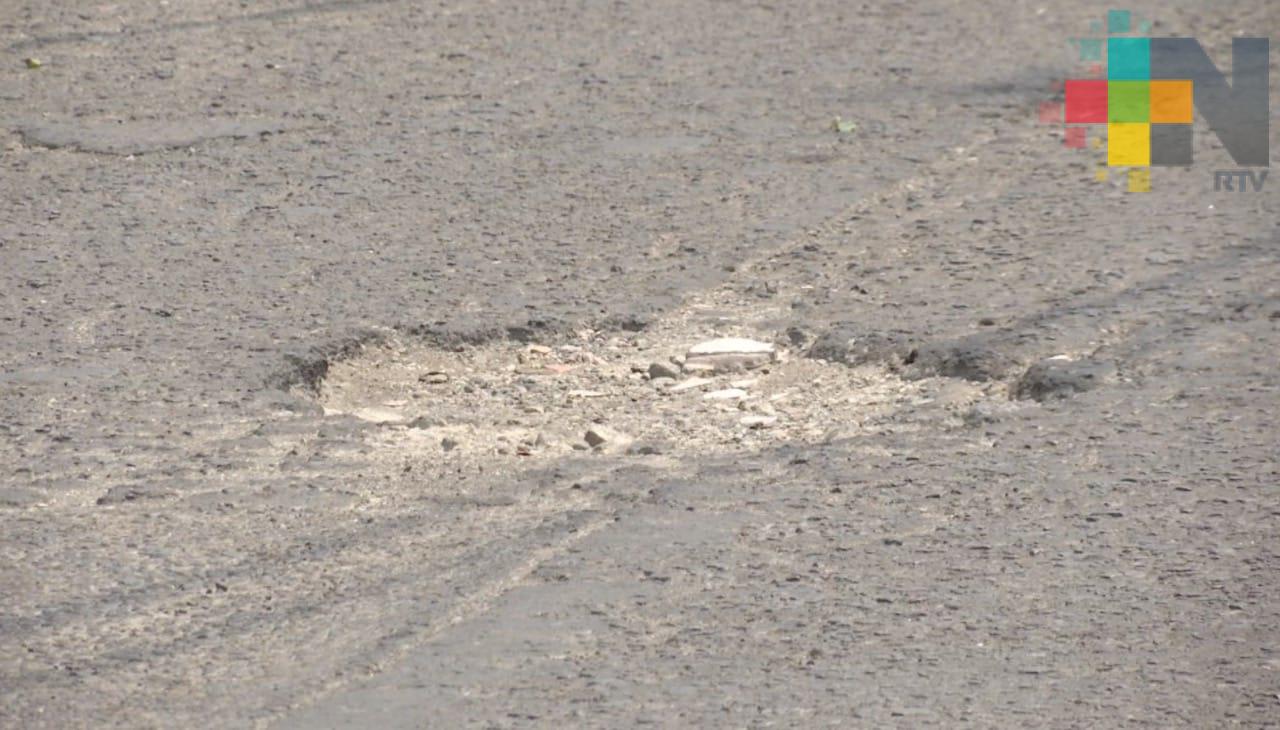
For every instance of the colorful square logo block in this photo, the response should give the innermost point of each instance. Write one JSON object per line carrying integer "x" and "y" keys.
{"x": 1129, "y": 59}
{"x": 1149, "y": 91}
{"x": 1086, "y": 101}
{"x": 1128, "y": 145}
{"x": 1171, "y": 102}
{"x": 1128, "y": 101}
{"x": 1171, "y": 145}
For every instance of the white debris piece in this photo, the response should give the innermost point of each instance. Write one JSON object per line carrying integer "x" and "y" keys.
{"x": 729, "y": 354}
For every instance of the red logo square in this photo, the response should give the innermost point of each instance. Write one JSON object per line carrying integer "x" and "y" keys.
{"x": 1086, "y": 101}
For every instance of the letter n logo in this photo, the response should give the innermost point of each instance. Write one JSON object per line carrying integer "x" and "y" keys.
{"x": 1238, "y": 112}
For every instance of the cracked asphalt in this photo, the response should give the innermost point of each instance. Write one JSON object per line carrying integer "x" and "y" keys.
{"x": 1024, "y": 469}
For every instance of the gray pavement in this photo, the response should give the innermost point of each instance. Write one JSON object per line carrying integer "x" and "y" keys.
{"x": 275, "y": 448}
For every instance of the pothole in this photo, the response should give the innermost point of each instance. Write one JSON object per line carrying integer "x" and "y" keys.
{"x": 508, "y": 399}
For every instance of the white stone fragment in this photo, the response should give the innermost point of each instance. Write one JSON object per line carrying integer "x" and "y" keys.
{"x": 731, "y": 346}
{"x": 729, "y": 354}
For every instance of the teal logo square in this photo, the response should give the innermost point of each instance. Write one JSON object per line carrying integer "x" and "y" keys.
{"x": 1129, "y": 59}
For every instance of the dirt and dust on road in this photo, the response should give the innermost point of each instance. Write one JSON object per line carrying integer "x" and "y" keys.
{"x": 377, "y": 363}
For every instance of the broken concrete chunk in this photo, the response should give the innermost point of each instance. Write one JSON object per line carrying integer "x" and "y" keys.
{"x": 729, "y": 354}
{"x": 726, "y": 394}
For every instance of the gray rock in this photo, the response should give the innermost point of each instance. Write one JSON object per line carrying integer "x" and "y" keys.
{"x": 603, "y": 438}
{"x": 663, "y": 370}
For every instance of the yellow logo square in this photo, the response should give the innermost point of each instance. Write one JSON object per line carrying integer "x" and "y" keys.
{"x": 1128, "y": 144}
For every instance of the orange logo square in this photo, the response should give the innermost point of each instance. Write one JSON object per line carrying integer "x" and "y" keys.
{"x": 1171, "y": 102}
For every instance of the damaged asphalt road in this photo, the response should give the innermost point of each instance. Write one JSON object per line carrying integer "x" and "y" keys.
{"x": 310, "y": 309}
